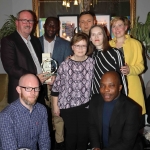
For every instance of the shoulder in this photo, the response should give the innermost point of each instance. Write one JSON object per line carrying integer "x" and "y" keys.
{"x": 130, "y": 104}
{"x": 11, "y": 36}
{"x": 91, "y": 60}
{"x": 9, "y": 111}
{"x": 61, "y": 40}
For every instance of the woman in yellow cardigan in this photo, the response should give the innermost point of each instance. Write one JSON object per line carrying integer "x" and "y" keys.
{"x": 134, "y": 63}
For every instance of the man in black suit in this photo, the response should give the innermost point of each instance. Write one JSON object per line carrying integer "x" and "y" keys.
{"x": 21, "y": 53}
{"x": 114, "y": 119}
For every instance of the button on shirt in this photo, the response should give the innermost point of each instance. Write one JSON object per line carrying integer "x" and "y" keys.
{"x": 21, "y": 129}
{"x": 49, "y": 46}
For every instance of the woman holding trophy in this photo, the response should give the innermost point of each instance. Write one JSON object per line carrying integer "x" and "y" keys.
{"x": 71, "y": 93}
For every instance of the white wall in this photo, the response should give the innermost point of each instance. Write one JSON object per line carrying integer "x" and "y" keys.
{"x": 142, "y": 8}
{"x": 11, "y": 7}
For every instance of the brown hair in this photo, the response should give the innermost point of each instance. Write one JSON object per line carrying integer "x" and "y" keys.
{"x": 106, "y": 45}
{"x": 79, "y": 37}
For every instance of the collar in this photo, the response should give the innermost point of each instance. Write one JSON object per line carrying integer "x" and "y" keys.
{"x": 52, "y": 40}
{"x": 25, "y": 40}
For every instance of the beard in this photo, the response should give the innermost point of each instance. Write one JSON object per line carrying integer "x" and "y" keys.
{"x": 27, "y": 100}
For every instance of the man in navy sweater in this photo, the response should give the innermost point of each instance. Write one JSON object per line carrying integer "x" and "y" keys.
{"x": 114, "y": 119}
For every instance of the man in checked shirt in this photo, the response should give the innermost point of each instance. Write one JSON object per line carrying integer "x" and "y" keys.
{"x": 23, "y": 124}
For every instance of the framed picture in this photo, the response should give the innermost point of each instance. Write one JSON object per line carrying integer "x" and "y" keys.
{"x": 104, "y": 20}
{"x": 68, "y": 26}
{"x": 41, "y": 23}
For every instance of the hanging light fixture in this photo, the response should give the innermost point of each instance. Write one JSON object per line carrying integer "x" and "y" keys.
{"x": 64, "y": 3}
{"x": 75, "y": 2}
{"x": 68, "y": 4}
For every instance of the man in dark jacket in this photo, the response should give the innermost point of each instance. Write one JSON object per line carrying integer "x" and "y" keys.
{"x": 114, "y": 118}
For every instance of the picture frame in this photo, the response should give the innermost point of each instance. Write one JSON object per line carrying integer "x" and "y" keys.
{"x": 68, "y": 26}
{"x": 41, "y": 23}
{"x": 103, "y": 20}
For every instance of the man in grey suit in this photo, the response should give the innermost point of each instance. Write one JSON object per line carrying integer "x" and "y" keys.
{"x": 60, "y": 49}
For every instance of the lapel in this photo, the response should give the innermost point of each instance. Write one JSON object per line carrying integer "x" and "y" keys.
{"x": 116, "y": 111}
{"x": 37, "y": 48}
{"x": 100, "y": 113}
{"x": 55, "y": 46}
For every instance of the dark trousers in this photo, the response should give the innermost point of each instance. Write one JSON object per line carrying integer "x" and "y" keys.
{"x": 76, "y": 127}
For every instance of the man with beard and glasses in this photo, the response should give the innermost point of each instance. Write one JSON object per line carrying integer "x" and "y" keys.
{"x": 23, "y": 124}
{"x": 21, "y": 53}
{"x": 59, "y": 49}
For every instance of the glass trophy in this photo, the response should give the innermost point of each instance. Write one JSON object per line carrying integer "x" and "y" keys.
{"x": 49, "y": 65}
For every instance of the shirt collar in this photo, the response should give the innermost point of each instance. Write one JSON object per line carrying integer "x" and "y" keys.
{"x": 23, "y": 108}
{"x": 24, "y": 39}
{"x": 52, "y": 40}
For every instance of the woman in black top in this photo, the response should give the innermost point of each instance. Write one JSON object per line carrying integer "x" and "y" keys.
{"x": 106, "y": 58}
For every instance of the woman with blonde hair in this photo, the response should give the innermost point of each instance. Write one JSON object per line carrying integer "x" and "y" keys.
{"x": 134, "y": 63}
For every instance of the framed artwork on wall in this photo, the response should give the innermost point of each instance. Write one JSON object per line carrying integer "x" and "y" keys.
{"x": 41, "y": 23}
{"x": 68, "y": 26}
{"x": 104, "y": 20}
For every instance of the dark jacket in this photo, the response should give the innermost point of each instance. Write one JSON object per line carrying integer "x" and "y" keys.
{"x": 17, "y": 60}
{"x": 123, "y": 127}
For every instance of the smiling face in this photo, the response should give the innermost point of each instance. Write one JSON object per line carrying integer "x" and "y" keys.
{"x": 110, "y": 86}
{"x": 24, "y": 28}
{"x": 86, "y": 21}
{"x": 97, "y": 37}
{"x": 51, "y": 28}
{"x": 119, "y": 29}
{"x": 80, "y": 48}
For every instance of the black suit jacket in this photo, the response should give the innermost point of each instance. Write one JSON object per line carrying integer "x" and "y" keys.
{"x": 17, "y": 60}
{"x": 123, "y": 127}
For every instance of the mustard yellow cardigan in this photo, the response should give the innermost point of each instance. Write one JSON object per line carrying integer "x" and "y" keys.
{"x": 133, "y": 57}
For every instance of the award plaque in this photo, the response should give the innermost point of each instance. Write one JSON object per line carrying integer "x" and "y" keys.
{"x": 49, "y": 65}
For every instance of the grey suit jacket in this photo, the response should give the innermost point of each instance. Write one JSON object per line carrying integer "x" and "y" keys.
{"x": 123, "y": 127}
{"x": 62, "y": 49}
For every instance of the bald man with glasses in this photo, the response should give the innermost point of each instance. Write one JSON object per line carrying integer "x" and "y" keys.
{"x": 23, "y": 124}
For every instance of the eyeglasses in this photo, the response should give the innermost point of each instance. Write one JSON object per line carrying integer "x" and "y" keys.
{"x": 80, "y": 46}
{"x": 29, "y": 89}
{"x": 25, "y": 21}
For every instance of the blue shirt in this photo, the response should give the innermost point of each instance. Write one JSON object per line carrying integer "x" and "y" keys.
{"x": 21, "y": 129}
{"x": 107, "y": 112}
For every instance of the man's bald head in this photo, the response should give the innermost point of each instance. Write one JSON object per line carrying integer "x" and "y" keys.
{"x": 28, "y": 90}
{"x": 28, "y": 78}
{"x": 110, "y": 85}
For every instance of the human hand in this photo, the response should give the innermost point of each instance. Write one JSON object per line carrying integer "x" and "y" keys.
{"x": 56, "y": 110}
{"x": 51, "y": 80}
{"x": 125, "y": 69}
{"x": 43, "y": 77}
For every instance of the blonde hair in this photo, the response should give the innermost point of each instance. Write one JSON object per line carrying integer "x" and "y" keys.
{"x": 125, "y": 20}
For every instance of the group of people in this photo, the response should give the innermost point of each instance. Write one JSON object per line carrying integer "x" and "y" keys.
{"x": 96, "y": 96}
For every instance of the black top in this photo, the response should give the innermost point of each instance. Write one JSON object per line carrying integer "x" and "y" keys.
{"x": 110, "y": 60}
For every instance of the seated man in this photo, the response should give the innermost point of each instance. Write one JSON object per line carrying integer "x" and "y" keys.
{"x": 23, "y": 124}
{"x": 114, "y": 119}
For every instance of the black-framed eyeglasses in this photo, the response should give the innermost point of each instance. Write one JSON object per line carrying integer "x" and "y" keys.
{"x": 25, "y": 21}
{"x": 29, "y": 89}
